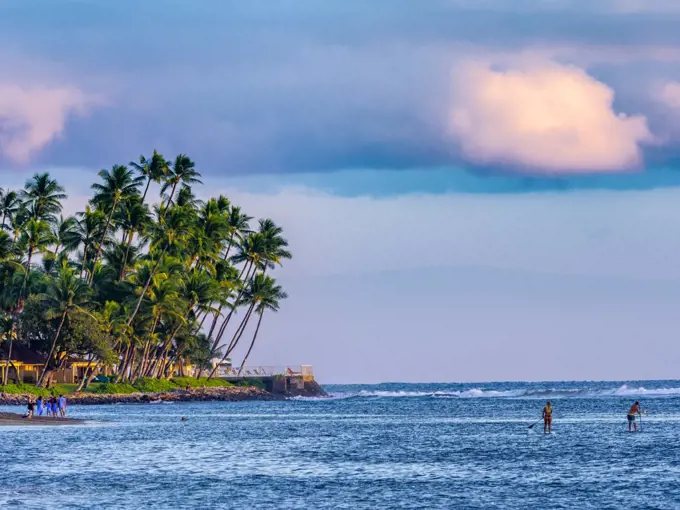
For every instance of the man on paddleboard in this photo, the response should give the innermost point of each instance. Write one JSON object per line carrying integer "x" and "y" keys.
{"x": 632, "y": 423}
{"x": 547, "y": 418}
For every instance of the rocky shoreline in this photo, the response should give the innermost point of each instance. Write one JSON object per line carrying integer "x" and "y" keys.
{"x": 219, "y": 393}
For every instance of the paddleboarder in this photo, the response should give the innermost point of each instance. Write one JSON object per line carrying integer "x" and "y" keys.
{"x": 632, "y": 422}
{"x": 547, "y": 418}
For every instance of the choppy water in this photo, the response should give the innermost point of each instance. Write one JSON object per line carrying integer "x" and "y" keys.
{"x": 386, "y": 446}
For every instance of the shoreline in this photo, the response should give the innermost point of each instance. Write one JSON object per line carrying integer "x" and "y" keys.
{"x": 217, "y": 393}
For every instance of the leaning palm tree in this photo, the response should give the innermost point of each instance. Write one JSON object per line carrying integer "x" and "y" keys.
{"x": 182, "y": 170}
{"x": 42, "y": 196}
{"x": 265, "y": 295}
{"x": 119, "y": 183}
{"x": 66, "y": 294}
{"x": 261, "y": 294}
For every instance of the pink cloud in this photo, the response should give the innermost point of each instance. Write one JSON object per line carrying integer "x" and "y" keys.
{"x": 32, "y": 117}
{"x": 548, "y": 117}
{"x": 670, "y": 94}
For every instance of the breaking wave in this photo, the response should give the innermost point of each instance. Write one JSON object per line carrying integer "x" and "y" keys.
{"x": 622, "y": 391}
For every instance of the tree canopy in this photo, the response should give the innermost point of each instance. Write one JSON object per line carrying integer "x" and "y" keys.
{"x": 143, "y": 287}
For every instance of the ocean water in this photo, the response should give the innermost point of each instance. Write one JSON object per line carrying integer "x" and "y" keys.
{"x": 385, "y": 446}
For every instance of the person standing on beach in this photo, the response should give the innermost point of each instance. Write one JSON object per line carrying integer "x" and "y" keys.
{"x": 39, "y": 406}
{"x": 547, "y": 418}
{"x": 632, "y": 423}
{"x": 30, "y": 406}
{"x": 61, "y": 402}
{"x": 53, "y": 407}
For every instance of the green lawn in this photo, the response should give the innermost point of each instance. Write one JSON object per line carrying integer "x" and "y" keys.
{"x": 144, "y": 385}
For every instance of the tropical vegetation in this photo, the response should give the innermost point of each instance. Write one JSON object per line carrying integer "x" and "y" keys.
{"x": 145, "y": 287}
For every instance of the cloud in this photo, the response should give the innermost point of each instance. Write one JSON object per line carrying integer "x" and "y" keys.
{"x": 33, "y": 116}
{"x": 547, "y": 117}
{"x": 670, "y": 94}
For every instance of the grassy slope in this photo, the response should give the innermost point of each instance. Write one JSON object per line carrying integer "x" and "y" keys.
{"x": 145, "y": 385}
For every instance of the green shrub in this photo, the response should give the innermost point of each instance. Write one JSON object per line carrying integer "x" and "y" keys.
{"x": 257, "y": 383}
{"x": 183, "y": 382}
{"x": 114, "y": 388}
{"x": 26, "y": 389}
{"x": 151, "y": 385}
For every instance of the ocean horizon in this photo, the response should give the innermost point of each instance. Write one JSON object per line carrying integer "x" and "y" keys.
{"x": 446, "y": 445}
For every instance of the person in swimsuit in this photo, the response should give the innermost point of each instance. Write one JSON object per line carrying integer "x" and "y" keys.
{"x": 632, "y": 423}
{"x": 547, "y": 418}
{"x": 61, "y": 402}
{"x": 30, "y": 406}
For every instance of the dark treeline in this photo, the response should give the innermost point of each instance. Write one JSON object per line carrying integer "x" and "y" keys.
{"x": 143, "y": 286}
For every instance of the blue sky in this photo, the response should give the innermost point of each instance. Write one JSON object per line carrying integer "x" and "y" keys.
{"x": 469, "y": 188}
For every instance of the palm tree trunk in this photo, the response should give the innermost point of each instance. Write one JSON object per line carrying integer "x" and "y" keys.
{"x": 9, "y": 353}
{"x": 146, "y": 189}
{"x": 83, "y": 267}
{"x": 127, "y": 253}
{"x": 257, "y": 329}
{"x": 85, "y": 376}
{"x": 101, "y": 242}
{"x": 242, "y": 327}
{"x": 234, "y": 340}
{"x": 146, "y": 287}
{"x": 54, "y": 344}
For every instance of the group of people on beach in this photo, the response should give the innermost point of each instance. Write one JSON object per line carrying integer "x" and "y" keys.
{"x": 53, "y": 406}
{"x": 632, "y": 421}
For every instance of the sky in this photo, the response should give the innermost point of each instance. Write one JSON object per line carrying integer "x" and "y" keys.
{"x": 473, "y": 190}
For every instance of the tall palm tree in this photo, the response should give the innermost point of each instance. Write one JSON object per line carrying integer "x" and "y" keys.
{"x": 119, "y": 183}
{"x": 263, "y": 294}
{"x": 170, "y": 231}
{"x": 152, "y": 169}
{"x": 182, "y": 170}
{"x": 42, "y": 196}
{"x": 65, "y": 295}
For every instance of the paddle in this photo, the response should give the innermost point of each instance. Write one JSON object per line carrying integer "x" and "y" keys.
{"x": 535, "y": 423}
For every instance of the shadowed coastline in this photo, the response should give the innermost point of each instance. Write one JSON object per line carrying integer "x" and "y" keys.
{"x": 20, "y": 419}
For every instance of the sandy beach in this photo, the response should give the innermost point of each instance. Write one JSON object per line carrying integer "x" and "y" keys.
{"x": 20, "y": 419}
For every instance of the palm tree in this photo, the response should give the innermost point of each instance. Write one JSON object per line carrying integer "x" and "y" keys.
{"x": 238, "y": 225}
{"x": 37, "y": 236}
{"x": 9, "y": 205}
{"x": 119, "y": 183}
{"x": 182, "y": 170}
{"x": 66, "y": 294}
{"x": 153, "y": 169}
{"x": 275, "y": 244}
{"x": 264, "y": 294}
{"x": 169, "y": 232}
{"x": 63, "y": 229}
{"x": 132, "y": 218}
{"x": 42, "y": 196}
{"x": 87, "y": 230}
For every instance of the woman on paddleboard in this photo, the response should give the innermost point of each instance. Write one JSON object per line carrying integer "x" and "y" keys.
{"x": 547, "y": 418}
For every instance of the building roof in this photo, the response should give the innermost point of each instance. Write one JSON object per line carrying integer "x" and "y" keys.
{"x": 21, "y": 353}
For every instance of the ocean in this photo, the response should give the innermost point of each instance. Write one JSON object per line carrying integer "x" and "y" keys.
{"x": 379, "y": 446}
